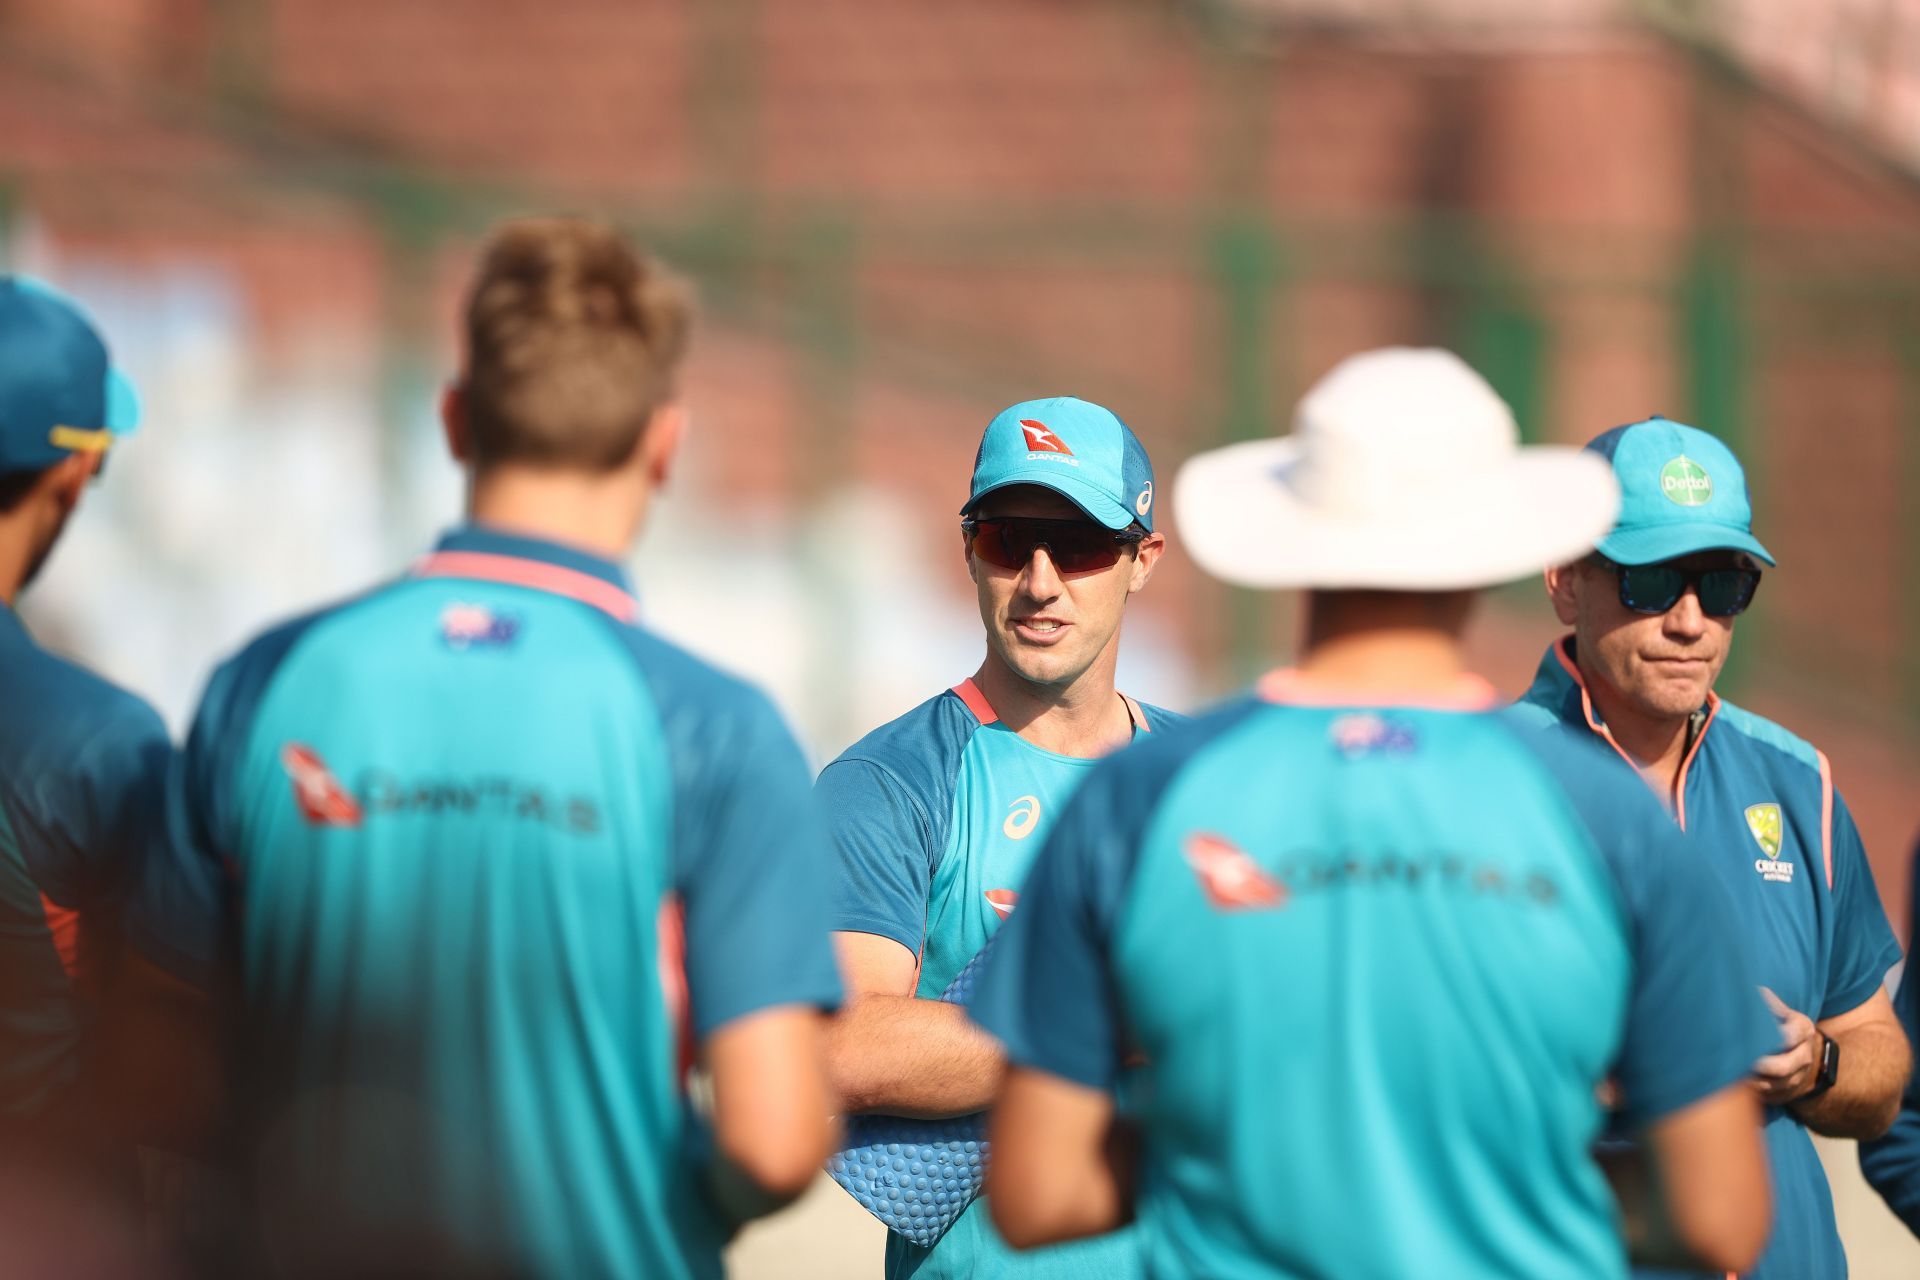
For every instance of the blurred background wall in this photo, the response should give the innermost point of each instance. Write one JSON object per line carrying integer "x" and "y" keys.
{"x": 903, "y": 217}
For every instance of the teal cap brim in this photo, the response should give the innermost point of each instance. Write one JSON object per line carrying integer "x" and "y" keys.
{"x": 1671, "y": 541}
{"x": 123, "y": 404}
{"x": 1090, "y": 499}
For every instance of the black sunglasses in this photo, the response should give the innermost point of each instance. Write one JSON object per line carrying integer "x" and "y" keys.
{"x": 1656, "y": 588}
{"x": 1075, "y": 546}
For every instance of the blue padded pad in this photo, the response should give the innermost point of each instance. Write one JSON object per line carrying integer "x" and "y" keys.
{"x": 917, "y": 1176}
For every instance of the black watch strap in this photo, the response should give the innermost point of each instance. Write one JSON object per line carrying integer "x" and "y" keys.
{"x": 1829, "y": 1067}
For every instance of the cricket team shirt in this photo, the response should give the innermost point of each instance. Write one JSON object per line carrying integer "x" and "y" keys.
{"x": 486, "y": 858}
{"x": 1759, "y": 809}
{"x": 1376, "y": 961}
{"x": 83, "y": 766}
{"x": 938, "y": 816}
{"x": 1892, "y": 1163}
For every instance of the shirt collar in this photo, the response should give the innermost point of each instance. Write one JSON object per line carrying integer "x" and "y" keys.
{"x": 481, "y": 552}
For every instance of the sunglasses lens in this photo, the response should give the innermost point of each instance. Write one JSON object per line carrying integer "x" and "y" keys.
{"x": 1073, "y": 547}
{"x": 1650, "y": 588}
{"x": 1725, "y": 592}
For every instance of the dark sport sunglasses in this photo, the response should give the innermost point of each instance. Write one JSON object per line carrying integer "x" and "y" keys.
{"x": 1075, "y": 546}
{"x": 1656, "y": 588}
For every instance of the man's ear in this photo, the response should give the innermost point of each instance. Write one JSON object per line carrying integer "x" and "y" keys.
{"x": 1147, "y": 555}
{"x": 453, "y": 420}
{"x": 67, "y": 479}
{"x": 660, "y": 443}
{"x": 1563, "y": 591}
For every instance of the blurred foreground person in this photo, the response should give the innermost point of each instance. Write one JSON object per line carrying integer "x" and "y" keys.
{"x": 488, "y": 866}
{"x": 1652, "y": 612}
{"x": 938, "y": 814}
{"x": 1892, "y": 1162}
{"x": 82, "y": 763}
{"x": 1376, "y": 944}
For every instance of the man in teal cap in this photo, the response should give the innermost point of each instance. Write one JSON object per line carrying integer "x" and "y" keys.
{"x": 938, "y": 814}
{"x": 1652, "y": 615}
{"x": 82, "y": 763}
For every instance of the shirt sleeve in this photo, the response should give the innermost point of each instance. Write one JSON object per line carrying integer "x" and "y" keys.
{"x": 1047, "y": 993}
{"x": 883, "y": 838}
{"x": 1695, "y": 1019}
{"x": 753, "y": 862}
{"x": 98, "y": 812}
{"x": 1863, "y": 947}
{"x": 1892, "y": 1163}
{"x": 180, "y": 914}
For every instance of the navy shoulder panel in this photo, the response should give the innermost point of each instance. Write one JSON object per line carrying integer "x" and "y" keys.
{"x": 920, "y": 751}
{"x": 57, "y": 705}
{"x": 1122, "y": 792}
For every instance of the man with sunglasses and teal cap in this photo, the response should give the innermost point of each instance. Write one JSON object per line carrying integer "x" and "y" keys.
{"x": 1652, "y": 612}
{"x": 939, "y": 813}
{"x": 82, "y": 763}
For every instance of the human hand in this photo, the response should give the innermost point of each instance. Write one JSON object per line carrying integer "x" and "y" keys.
{"x": 1781, "y": 1077}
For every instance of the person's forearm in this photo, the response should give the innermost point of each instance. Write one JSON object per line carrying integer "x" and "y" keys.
{"x": 909, "y": 1057}
{"x": 1648, "y": 1230}
{"x": 1874, "y": 1060}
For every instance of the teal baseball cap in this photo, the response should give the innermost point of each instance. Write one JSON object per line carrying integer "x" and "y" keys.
{"x": 1075, "y": 448}
{"x": 1681, "y": 491}
{"x": 60, "y": 393}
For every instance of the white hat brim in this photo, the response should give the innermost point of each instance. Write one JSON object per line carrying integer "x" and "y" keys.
{"x": 1241, "y": 518}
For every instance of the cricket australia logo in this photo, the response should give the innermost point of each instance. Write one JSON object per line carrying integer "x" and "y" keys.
{"x": 1686, "y": 482}
{"x": 1763, "y": 820}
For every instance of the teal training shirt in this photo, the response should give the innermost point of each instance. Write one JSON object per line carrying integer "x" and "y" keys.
{"x": 938, "y": 816}
{"x": 83, "y": 766}
{"x": 486, "y": 858}
{"x": 1758, "y": 807}
{"x": 1377, "y": 961}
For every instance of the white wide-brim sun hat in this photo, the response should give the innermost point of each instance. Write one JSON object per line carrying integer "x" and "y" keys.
{"x": 1404, "y": 472}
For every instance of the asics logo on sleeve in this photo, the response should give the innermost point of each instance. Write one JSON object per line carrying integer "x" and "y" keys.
{"x": 323, "y": 801}
{"x": 1021, "y": 817}
{"x": 1231, "y": 879}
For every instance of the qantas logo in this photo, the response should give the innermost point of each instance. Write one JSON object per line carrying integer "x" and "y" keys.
{"x": 1040, "y": 438}
{"x": 323, "y": 801}
{"x": 1002, "y": 901}
{"x": 1231, "y": 880}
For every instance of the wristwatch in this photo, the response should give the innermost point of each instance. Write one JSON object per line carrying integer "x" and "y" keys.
{"x": 1829, "y": 1067}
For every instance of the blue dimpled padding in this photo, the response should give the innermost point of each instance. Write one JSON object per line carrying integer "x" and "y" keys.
{"x": 917, "y": 1176}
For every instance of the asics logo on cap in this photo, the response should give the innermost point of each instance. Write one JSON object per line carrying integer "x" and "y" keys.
{"x": 1041, "y": 439}
{"x": 1686, "y": 482}
{"x": 323, "y": 801}
{"x": 1230, "y": 878}
{"x": 1021, "y": 817}
{"x": 1144, "y": 503}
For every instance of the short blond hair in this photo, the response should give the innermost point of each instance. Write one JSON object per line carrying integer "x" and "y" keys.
{"x": 573, "y": 339}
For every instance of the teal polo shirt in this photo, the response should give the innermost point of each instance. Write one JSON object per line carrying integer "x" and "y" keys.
{"x": 1758, "y": 808}
{"x": 1370, "y": 965}
{"x": 485, "y": 860}
{"x": 938, "y": 816}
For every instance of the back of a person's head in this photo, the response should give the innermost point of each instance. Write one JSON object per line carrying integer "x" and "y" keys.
{"x": 573, "y": 340}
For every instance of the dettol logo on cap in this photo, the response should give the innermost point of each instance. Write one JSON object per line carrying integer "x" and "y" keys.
{"x": 1686, "y": 482}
